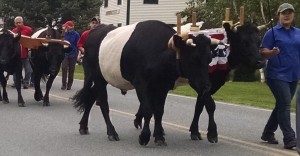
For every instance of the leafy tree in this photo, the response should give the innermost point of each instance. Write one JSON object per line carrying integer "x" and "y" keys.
{"x": 213, "y": 11}
{"x": 38, "y": 13}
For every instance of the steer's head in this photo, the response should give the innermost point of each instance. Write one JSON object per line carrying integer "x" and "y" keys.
{"x": 9, "y": 45}
{"x": 194, "y": 51}
{"x": 54, "y": 53}
{"x": 53, "y": 49}
{"x": 244, "y": 45}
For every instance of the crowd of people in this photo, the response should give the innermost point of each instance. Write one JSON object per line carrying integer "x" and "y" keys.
{"x": 70, "y": 60}
{"x": 280, "y": 45}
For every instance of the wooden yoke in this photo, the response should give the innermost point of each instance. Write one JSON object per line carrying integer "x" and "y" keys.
{"x": 178, "y": 24}
{"x": 178, "y": 33}
{"x": 194, "y": 27}
{"x": 227, "y": 17}
{"x": 242, "y": 15}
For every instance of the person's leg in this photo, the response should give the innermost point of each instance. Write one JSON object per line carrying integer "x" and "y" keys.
{"x": 72, "y": 63}
{"x": 64, "y": 69}
{"x": 28, "y": 71}
{"x": 272, "y": 124}
{"x": 298, "y": 120}
{"x": 283, "y": 93}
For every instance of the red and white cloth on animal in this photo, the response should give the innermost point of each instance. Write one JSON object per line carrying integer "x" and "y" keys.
{"x": 221, "y": 52}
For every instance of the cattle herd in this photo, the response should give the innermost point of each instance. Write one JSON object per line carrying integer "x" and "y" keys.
{"x": 146, "y": 56}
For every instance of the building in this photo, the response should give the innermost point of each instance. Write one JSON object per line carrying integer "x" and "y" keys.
{"x": 125, "y": 12}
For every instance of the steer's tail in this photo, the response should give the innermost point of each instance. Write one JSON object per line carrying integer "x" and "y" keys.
{"x": 85, "y": 96}
{"x": 88, "y": 94}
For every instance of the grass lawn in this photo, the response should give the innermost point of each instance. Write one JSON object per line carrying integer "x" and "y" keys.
{"x": 244, "y": 93}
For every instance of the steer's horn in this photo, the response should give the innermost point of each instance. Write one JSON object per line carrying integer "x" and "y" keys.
{"x": 264, "y": 26}
{"x": 190, "y": 42}
{"x": 45, "y": 44}
{"x": 235, "y": 25}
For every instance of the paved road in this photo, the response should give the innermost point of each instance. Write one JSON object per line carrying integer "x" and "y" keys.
{"x": 53, "y": 131}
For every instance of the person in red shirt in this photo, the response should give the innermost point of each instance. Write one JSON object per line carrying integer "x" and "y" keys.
{"x": 27, "y": 31}
{"x": 80, "y": 44}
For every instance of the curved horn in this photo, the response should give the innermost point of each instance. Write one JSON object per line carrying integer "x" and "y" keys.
{"x": 261, "y": 27}
{"x": 14, "y": 34}
{"x": 189, "y": 42}
{"x": 45, "y": 44}
{"x": 264, "y": 26}
{"x": 235, "y": 28}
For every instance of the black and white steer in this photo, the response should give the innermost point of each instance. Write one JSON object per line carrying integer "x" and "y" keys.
{"x": 48, "y": 51}
{"x": 137, "y": 57}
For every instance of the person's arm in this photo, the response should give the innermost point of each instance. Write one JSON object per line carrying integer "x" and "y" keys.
{"x": 270, "y": 52}
{"x": 268, "y": 47}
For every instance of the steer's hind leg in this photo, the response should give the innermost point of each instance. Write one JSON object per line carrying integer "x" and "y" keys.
{"x": 158, "y": 105}
{"x": 146, "y": 109}
{"x": 212, "y": 134}
{"x": 138, "y": 119}
{"x": 83, "y": 129}
{"x": 103, "y": 103}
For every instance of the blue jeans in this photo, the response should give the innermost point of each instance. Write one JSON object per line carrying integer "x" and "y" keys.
{"x": 283, "y": 92}
{"x": 298, "y": 120}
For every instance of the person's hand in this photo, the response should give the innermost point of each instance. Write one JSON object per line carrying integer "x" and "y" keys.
{"x": 275, "y": 51}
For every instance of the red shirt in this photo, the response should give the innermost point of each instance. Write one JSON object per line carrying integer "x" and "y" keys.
{"x": 25, "y": 30}
{"x": 82, "y": 38}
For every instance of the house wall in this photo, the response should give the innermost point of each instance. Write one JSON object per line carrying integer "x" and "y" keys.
{"x": 164, "y": 11}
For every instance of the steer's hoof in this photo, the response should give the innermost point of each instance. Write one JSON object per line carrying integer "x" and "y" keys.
{"x": 21, "y": 105}
{"x": 113, "y": 138}
{"x": 212, "y": 139}
{"x": 46, "y": 103}
{"x": 5, "y": 101}
{"x": 137, "y": 123}
{"x": 196, "y": 136}
{"x": 143, "y": 140}
{"x": 160, "y": 143}
{"x": 84, "y": 131}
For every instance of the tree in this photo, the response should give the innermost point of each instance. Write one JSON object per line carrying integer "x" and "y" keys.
{"x": 260, "y": 11}
{"x": 38, "y": 13}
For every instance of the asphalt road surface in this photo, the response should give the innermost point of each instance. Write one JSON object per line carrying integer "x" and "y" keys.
{"x": 53, "y": 131}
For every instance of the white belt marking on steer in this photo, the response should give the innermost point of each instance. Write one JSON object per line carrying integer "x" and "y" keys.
{"x": 37, "y": 34}
{"x": 110, "y": 56}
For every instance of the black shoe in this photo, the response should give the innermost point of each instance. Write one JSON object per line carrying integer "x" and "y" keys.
{"x": 25, "y": 87}
{"x": 269, "y": 138}
{"x": 69, "y": 88}
{"x": 63, "y": 87}
{"x": 292, "y": 143}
